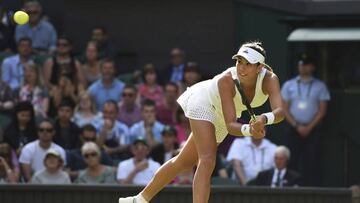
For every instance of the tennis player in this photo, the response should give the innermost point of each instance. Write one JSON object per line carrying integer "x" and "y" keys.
{"x": 213, "y": 107}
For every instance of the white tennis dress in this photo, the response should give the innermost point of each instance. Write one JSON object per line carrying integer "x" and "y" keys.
{"x": 202, "y": 101}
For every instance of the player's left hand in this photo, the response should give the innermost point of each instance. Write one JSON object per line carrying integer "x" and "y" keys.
{"x": 258, "y": 124}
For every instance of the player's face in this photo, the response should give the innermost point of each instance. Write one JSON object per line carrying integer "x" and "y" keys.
{"x": 246, "y": 70}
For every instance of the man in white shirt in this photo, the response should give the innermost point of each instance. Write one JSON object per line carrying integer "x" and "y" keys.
{"x": 137, "y": 170}
{"x": 33, "y": 154}
{"x": 249, "y": 156}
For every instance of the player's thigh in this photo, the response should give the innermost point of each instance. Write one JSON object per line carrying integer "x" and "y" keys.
{"x": 204, "y": 137}
{"x": 188, "y": 155}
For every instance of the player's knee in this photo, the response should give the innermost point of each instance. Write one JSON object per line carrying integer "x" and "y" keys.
{"x": 208, "y": 161}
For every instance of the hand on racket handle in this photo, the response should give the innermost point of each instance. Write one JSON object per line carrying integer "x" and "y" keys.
{"x": 257, "y": 128}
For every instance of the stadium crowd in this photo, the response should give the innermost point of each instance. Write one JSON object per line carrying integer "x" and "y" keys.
{"x": 68, "y": 118}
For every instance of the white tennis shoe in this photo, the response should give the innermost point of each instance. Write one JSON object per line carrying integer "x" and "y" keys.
{"x": 127, "y": 200}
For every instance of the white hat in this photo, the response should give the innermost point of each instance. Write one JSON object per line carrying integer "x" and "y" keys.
{"x": 250, "y": 55}
{"x": 53, "y": 152}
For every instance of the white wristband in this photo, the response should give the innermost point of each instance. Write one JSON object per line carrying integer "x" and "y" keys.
{"x": 270, "y": 118}
{"x": 245, "y": 130}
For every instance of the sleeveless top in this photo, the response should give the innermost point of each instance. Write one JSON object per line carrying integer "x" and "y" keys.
{"x": 66, "y": 69}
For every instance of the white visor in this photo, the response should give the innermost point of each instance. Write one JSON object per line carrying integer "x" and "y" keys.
{"x": 251, "y": 55}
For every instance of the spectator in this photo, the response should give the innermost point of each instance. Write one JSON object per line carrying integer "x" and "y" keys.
{"x": 91, "y": 66}
{"x": 75, "y": 160}
{"x": 85, "y": 112}
{"x": 192, "y": 75}
{"x": 64, "y": 64}
{"x": 34, "y": 92}
{"x": 137, "y": 170}
{"x": 182, "y": 126}
{"x": 95, "y": 172}
{"x": 150, "y": 89}
{"x": 219, "y": 170}
{"x": 113, "y": 135}
{"x": 100, "y": 36}
{"x": 149, "y": 128}
{"x": 249, "y": 156}
{"x": 41, "y": 32}
{"x": 280, "y": 176}
{"x": 305, "y": 105}
{"x": 33, "y": 154}
{"x": 129, "y": 110}
{"x": 53, "y": 173}
{"x": 66, "y": 132}
{"x": 7, "y": 100}
{"x": 7, "y": 30}
{"x": 9, "y": 165}
{"x": 185, "y": 177}
{"x": 165, "y": 151}
{"x": 165, "y": 112}
{"x": 22, "y": 129}
{"x": 175, "y": 71}
{"x": 106, "y": 88}
{"x": 13, "y": 66}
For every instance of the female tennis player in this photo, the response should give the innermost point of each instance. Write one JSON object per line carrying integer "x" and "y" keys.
{"x": 212, "y": 107}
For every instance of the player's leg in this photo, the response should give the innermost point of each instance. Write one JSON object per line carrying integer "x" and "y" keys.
{"x": 205, "y": 141}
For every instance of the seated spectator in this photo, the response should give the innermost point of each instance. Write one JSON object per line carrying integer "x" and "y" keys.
{"x": 165, "y": 112}
{"x": 91, "y": 66}
{"x": 34, "y": 92}
{"x": 63, "y": 63}
{"x": 41, "y": 32}
{"x": 280, "y": 175}
{"x": 249, "y": 156}
{"x": 150, "y": 89}
{"x": 22, "y": 129}
{"x": 129, "y": 110}
{"x": 95, "y": 172}
{"x": 75, "y": 160}
{"x": 149, "y": 128}
{"x": 165, "y": 151}
{"x": 9, "y": 165}
{"x": 182, "y": 126}
{"x": 85, "y": 112}
{"x": 53, "y": 173}
{"x": 219, "y": 170}
{"x": 185, "y": 177}
{"x": 13, "y": 66}
{"x": 7, "y": 29}
{"x": 7, "y": 100}
{"x": 192, "y": 75}
{"x": 113, "y": 135}
{"x": 32, "y": 155}
{"x": 106, "y": 88}
{"x": 106, "y": 48}
{"x": 66, "y": 132}
{"x": 137, "y": 170}
{"x": 175, "y": 71}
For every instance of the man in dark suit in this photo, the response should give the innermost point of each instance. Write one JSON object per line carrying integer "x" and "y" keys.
{"x": 280, "y": 176}
{"x": 175, "y": 71}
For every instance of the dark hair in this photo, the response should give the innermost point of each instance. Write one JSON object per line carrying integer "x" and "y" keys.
{"x": 102, "y": 28}
{"x": 178, "y": 112}
{"x": 64, "y": 37}
{"x": 256, "y": 45}
{"x": 88, "y": 127}
{"x": 113, "y": 102}
{"x": 130, "y": 86}
{"x": 305, "y": 59}
{"x": 148, "y": 68}
{"x": 148, "y": 102}
{"x": 25, "y": 39}
{"x": 107, "y": 60}
{"x": 25, "y": 106}
{"x": 192, "y": 67}
{"x": 67, "y": 103}
{"x": 46, "y": 120}
{"x": 172, "y": 84}
{"x": 169, "y": 130}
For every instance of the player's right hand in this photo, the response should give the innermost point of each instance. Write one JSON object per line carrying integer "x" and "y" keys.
{"x": 256, "y": 132}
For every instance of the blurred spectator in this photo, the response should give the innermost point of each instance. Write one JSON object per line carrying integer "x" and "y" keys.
{"x": 249, "y": 156}
{"x": 91, "y": 66}
{"x": 85, "y": 112}
{"x": 66, "y": 132}
{"x": 175, "y": 71}
{"x": 7, "y": 100}
{"x": 53, "y": 173}
{"x": 95, "y": 172}
{"x": 41, "y": 32}
{"x": 9, "y": 165}
{"x": 63, "y": 63}
{"x": 22, "y": 129}
{"x": 113, "y": 135}
{"x": 166, "y": 111}
{"x": 33, "y": 154}
{"x": 34, "y": 91}
{"x": 192, "y": 75}
{"x": 185, "y": 177}
{"x": 305, "y": 105}
{"x": 150, "y": 88}
{"x": 107, "y": 87}
{"x": 100, "y": 36}
{"x": 220, "y": 169}
{"x": 13, "y": 66}
{"x": 137, "y": 170}
{"x": 280, "y": 176}
{"x": 129, "y": 110}
{"x": 149, "y": 128}
{"x": 7, "y": 30}
{"x": 75, "y": 160}
{"x": 165, "y": 151}
{"x": 182, "y": 126}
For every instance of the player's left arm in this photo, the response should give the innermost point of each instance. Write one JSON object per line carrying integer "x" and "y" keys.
{"x": 271, "y": 87}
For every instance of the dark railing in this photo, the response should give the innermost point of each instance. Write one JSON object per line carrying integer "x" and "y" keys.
{"x": 23, "y": 193}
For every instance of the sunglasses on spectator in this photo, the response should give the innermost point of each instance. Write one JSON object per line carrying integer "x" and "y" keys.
{"x": 91, "y": 154}
{"x": 48, "y": 130}
{"x": 128, "y": 94}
